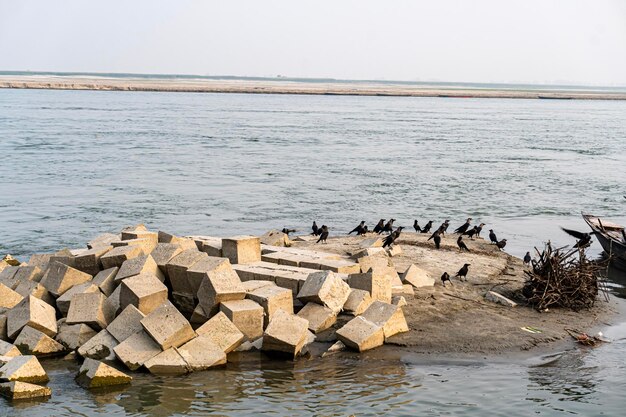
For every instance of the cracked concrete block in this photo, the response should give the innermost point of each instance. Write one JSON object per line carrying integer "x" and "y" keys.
{"x": 146, "y": 292}
{"x": 95, "y": 374}
{"x": 221, "y": 331}
{"x": 325, "y": 288}
{"x": 33, "y": 342}
{"x": 242, "y": 249}
{"x": 272, "y": 298}
{"x": 377, "y": 284}
{"x": 254, "y": 284}
{"x": 24, "y": 368}
{"x": 60, "y": 278}
{"x": 63, "y": 302}
{"x": 389, "y": 316}
{"x": 136, "y": 350}
{"x": 201, "y": 353}
{"x": 89, "y": 261}
{"x": 90, "y": 309}
{"x": 33, "y": 312}
{"x": 168, "y": 327}
{"x": 99, "y": 347}
{"x": 105, "y": 280}
{"x": 246, "y": 315}
{"x": 118, "y": 255}
{"x": 16, "y": 390}
{"x": 127, "y": 323}
{"x": 361, "y": 334}
{"x": 286, "y": 334}
{"x": 319, "y": 317}
{"x": 168, "y": 362}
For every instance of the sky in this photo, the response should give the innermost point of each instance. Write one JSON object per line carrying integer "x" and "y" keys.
{"x": 530, "y": 41}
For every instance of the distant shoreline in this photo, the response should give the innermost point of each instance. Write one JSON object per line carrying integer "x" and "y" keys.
{"x": 287, "y": 86}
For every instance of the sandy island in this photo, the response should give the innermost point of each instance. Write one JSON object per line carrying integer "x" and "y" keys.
{"x": 280, "y": 86}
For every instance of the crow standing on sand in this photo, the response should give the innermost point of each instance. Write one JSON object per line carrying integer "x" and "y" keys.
{"x": 475, "y": 231}
{"x": 436, "y": 237}
{"x": 314, "y": 228}
{"x": 501, "y": 244}
{"x": 323, "y": 231}
{"x": 463, "y": 228}
{"x": 358, "y": 229}
{"x": 417, "y": 227}
{"x": 462, "y": 246}
{"x": 379, "y": 226}
{"x": 492, "y": 236}
{"x": 389, "y": 226}
{"x": 463, "y": 272}
{"x": 445, "y": 277}
{"x": 428, "y": 226}
{"x": 389, "y": 240}
{"x": 527, "y": 258}
{"x": 584, "y": 239}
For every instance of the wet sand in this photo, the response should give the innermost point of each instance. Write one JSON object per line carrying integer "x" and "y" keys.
{"x": 280, "y": 86}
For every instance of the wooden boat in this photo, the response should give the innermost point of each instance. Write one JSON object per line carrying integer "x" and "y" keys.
{"x": 611, "y": 236}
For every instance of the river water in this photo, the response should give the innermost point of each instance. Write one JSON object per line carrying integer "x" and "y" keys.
{"x": 77, "y": 163}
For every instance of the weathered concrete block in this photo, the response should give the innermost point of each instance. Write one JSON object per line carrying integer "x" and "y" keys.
{"x": 127, "y": 323}
{"x": 40, "y": 260}
{"x": 163, "y": 253}
{"x": 377, "y": 284}
{"x": 222, "y": 332}
{"x": 113, "y": 300}
{"x": 33, "y": 342}
{"x": 168, "y": 362}
{"x": 64, "y": 256}
{"x": 371, "y": 242}
{"x": 26, "y": 288}
{"x": 396, "y": 282}
{"x": 255, "y": 284}
{"x": 7, "y": 276}
{"x": 103, "y": 240}
{"x": 60, "y": 278}
{"x": 146, "y": 292}
{"x": 95, "y": 374}
{"x": 105, "y": 280}
{"x": 143, "y": 264}
{"x": 363, "y": 253}
{"x": 286, "y": 334}
{"x": 16, "y": 390}
{"x": 201, "y": 353}
{"x": 63, "y": 302}
{"x": 242, "y": 249}
{"x": 99, "y": 347}
{"x": 405, "y": 289}
{"x": 417, "y": 277}
{"x": 389, "y": 316}
{"x": 24, "y": 369}
{"x": 140, "y": 234}
{"x": 198, "y": 316}
{"x": 210, "y": 245}
{"x": 8, "y": 297}
{"x": 168, "y": 327}
{"x": 74, "y": 336}
{"x": 8, "y": 349}
{"x": 499, "y": 299}
{"x": 325, "y": 288}
{"x": 357, "y": 302}
{"x": 90, "y": 309}
{"x": 275, "y": 238}
{"x": 3, "y": 328}
{"x": 246, "y": 315}
{"x": 89, "y": 261}
{"x": 117, "y": 256}
{"x": 33, "y": 312}
{"x": 198, "y": 271}
{"x": 319, "y": 317}
{"x": 218, "y": 286}
{"x": 396, "y": 250}
{"x": 177, "y": 270}
{"x": 185, "y": 303}
{"x": 146, "y": 245}
{"x": 361, "y": 334}
{"x": 272, "y": 299}
{"x": 136, "y": 350}
{"x": 373, "y": 261}
{"x": 29, "y": 273}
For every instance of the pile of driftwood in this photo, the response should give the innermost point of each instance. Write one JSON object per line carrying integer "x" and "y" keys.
{"x": 563, "y": 277}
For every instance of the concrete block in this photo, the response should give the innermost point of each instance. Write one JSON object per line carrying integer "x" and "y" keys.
{"x": 105, "y": 280}
{"x": 377, "y": 284}
{"x": 33, "y": 312}
{"x": 118, "y": 255}
{"x": 499, "y": 299}
{"x": 143, "y": 264}
{"x": 272, "y": 299}
{"x": 40, "y": 260}
{"x": 113, "y": 300}
{"x": 398, "y": 300}
{"x": 168, "y": 327}
{"x": 246, "y": 315}
{"x": 286, "y": 334}
{"x": 417, "y": 277}
{"x": 319, "y": 317}
{"x": 325, "y": 288}
{"x": 64, "y": 256}
{"x": 29, "y": 273}
{"x": 3, "y": 328}
{"x": 358, "y": 301}
{"x": 395, "y": 250}
{"x": 26, "y": 288}
{"x": 63, "y": 302}
{"x": 371, "y": 242}
{"x": 177, "y": 270}
{"x": 16, "y": 390}
{"x": 163, "y": 253}
{"x": 218, "y": 286}
{"x": 95, "y": 374}
{"x": 389, "y": 316}
{"x": 24, "y": 369}
{"x": 275, "y": 238}
{"x": 168, "y": 362}
{"x": 8, "y": 297}
{"x": 361, "y": 334}
{"x": 242, "y": 249}
{"x": 146, "y": 292}
{"x": 146, "y": 245}
{"x": 363, "y": 253}
{"x": 33, "y": 342}
{"x": 90, "y": 309}
{"x": 222, "y": 332}
{"x": 201, "y": 353}
{"x": 73, "y": 336}
{"x": 185, "y": 303}
{"x": 199, "y": 270}
{"x": 136, "y": 350}
{"x": 250, "y": 286}
{"x": 292, "y": 282}
{"x": 127, "y": 323}
{"x": 7, "y": 276}
{"x": 341, "y": 266}
{"x": 372, "y": 262}
{"x": 198, "y": 316}
{"x": 89, "y": 261}
{"x": 210, "y": 245}
{"x": 103, "y": 240}
{"x": 140, "y": 234}
{"x": 99, "y": 347}
{"x": 8, "y": 349}
{"x": 60, "y": 278}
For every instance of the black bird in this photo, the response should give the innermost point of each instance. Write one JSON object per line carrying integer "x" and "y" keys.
{"x": 315, "y": 228}
{"x": 492, "y": 236}
{"x": 389, "y": 226}
{"x": 379, "y": 226}
{"x": 428, "y": 226}
{"x": 584, "y": 239}
{"x": 463, "y": 228}
{"x": 475, "y": 231}
{"x": 389, "y": 240}
{"x": 323, "y": 231}
{"x": 358, "y": 229}
{"x": 445, "y": 277}
{"x": 463, "y": 272}
{"x": 501, "y": 244}
{"x": 462, "y": 246}
{"x": 436, "y": 236}
{"x": 417, "y": 227}
{"x": 287, "y": 231}
{"x": 363, "y": 231}
{"x": 527, "y": 258}
{"x": 444, "y": 227}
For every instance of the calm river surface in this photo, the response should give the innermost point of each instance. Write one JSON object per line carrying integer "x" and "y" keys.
{"x": 78, "y": 163}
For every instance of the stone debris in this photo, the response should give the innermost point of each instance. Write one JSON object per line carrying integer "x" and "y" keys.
{"x": 168, "y": 327}
{"x": 60, "y": 278}
{"x": 24, "y": 368}
{"x": 222, "y": 332}
{"x": 145, "y": 291}
{"x": 358, "y": 301}
{"x": 417, "y": 277}
{"x": 319, "y": 317}
{"x": 90, "y": 309}
{"x": 95, "y": 374}
{"x": 63, "y": 302}
{"x": 33, "y": 342}
{"x": 499, "y": 299}
{"x": 242, "y": 249}
{"x": 105, "y": 280}
{"x": 17, "y": 390}
{"x": 143, "y": 264}
{"x": 168, "y": 362}
{"x": 136, "y": 350}
{"x": 201, "y": 353}
{"x": 33, "y": 312}
{"x": 361, "y": 334}
{"x": 389, "y": 316}
{"x": 272, "y": 298}
{"x": 127, "y": 323}
{"x": 285, "y": 334}
{"x": 75, "y": 335}
{"x": 246, "y": 315}
{"x": 8, "y": 349}
{"x": 99, "y": 347}
{"x": 8, "y": 297}
{"x": 325, "y": 288}
{"x": 377, "y": 284}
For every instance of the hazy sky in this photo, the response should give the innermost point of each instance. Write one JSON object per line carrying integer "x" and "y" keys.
{"x": 534, "y": 41}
